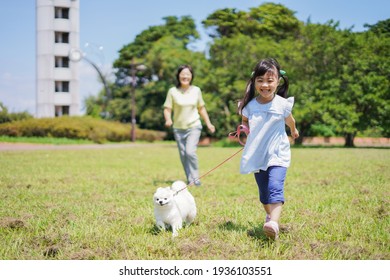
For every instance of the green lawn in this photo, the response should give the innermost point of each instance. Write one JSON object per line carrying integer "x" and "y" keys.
{"x": 97, "y": 204}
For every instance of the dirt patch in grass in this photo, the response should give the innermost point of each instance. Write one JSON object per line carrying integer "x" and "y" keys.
{"x": 12, "y": 223}
{"x": 193, "y": 249}
{"x": 51, "y": 252}
{"x": 83, "y": 254}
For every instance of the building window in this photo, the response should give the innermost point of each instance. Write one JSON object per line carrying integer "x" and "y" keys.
{"x": 61, "y": 86}
{"x": 60, "y": 12}
{"x": 61, "y": 111}
{"x": 61, "y": 37}
{"x": 61, "y": 62}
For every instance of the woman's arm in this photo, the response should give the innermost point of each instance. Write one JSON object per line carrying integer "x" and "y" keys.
{"x": 205, "y": 116}
{"x": 168, "y": 117}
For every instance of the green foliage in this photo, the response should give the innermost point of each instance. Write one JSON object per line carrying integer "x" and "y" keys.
{"x": 224, "y": 23}
{"x": 274, "y": 20}
{"x": 183, "y": 29}
{"x": 269, "y": 19}
{"x": 5, "y": 116}
{"x": 380, "y": 28}
{"x": 321, "y": 130}
{"x": 96, "y": 130}
{"x": 341, "y": 80}
{"x": 44, "y": 140}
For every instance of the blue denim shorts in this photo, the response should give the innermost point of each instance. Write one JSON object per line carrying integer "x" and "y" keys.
{"x": 271, "y": 184}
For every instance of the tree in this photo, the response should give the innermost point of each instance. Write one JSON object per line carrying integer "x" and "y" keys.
{"x": 380, "y": 28}
{"x": 269, "y": 19}
{"x": 162, "y": 49}
{"x": 183, "y": 29}
{"x": 368, "y": 75}
{"x": 343, "y": 80}
{"x": 316, "y": 73}
{"x": 224, "y": 23}
{"x": 6, "y": 116}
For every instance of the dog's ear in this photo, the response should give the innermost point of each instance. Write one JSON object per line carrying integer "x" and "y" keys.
{"x": 157, "y": 190}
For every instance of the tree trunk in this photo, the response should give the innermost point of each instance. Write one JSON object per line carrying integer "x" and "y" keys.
{"x": 302, "y": 131}
{"x": 299, "y": 140}
{"x": 349, "y": 137}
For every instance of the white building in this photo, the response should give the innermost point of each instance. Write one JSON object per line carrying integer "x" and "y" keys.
{"x": 57, "y": 77}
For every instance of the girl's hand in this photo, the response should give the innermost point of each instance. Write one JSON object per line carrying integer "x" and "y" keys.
{"x": 295, "y": 133}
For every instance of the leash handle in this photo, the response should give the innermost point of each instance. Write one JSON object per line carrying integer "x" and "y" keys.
{"x": 237, "y": 134}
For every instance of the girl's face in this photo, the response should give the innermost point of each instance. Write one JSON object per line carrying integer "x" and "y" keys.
{"x": 266, "y": 86}
{"x": 185, "y": 77}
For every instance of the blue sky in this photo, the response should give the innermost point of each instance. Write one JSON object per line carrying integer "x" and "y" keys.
{"x": 115, "y": 23}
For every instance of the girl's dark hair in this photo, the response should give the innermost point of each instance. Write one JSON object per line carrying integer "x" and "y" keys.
{"x": 181, "y": 68}
{"x": 264, "y": 66}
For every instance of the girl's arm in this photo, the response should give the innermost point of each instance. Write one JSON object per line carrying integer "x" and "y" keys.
{"x": 244, "y": 121}
{"x": 205, "y": 116}
{"x": 290, "y": 121}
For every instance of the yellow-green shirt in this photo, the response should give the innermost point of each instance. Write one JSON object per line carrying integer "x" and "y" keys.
{"x": 185, "y": 106}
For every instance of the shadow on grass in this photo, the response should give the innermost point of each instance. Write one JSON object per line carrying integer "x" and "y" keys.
{"x": 163, "y": 183}
{"x": 230, "y": 226}
{"x": 155, "y": 230}
{"x": 296, "y": 146}
{"x": 255, "y": 233}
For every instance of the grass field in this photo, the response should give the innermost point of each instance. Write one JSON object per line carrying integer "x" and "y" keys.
{"x": 97, "y": 204}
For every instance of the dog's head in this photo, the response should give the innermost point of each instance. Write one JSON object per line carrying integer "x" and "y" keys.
{"x": 163, "y": 197}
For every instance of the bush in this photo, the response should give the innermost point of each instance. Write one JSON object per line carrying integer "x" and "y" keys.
{"x": 10, "y": 117}
{"x": 98, "y": 131}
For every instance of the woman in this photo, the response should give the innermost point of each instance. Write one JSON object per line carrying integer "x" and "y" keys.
{"x": 186, "y": 102}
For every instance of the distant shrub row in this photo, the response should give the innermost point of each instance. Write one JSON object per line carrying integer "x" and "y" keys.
{"x": 96, "y": 130}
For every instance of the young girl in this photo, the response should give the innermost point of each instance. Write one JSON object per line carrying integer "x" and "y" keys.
{"x": 266, "y": 111}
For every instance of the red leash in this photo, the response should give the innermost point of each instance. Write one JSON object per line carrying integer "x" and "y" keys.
{"x": 232, "y": 135}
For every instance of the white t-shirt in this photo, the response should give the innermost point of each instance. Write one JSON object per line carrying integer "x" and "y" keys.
{"x": 267, "y": 143}
{"x": 185, "y": 106}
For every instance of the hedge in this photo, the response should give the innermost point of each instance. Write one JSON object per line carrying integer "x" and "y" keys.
{"x": 85, "y": 127}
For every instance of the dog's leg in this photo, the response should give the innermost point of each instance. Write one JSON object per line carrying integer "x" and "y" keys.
{"x": 191, "y": 216}
{"x": 176, "y": 227}
{"x": 160, "y": 225}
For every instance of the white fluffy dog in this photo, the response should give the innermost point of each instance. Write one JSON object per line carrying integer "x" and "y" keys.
{"x": 173, "y": 206}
